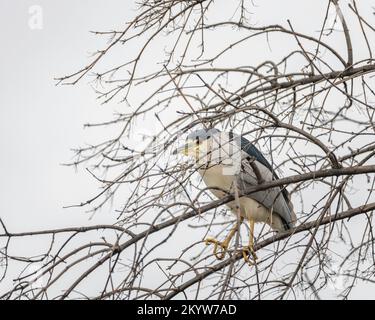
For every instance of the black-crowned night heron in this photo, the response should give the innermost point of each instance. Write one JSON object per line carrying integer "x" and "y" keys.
{"x": 230, "y": 164}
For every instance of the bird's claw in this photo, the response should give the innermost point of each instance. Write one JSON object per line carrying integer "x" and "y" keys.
{"x": 217, "y": 244}
{"x": 246, "y": 252}
{"x": 220, "y": 249}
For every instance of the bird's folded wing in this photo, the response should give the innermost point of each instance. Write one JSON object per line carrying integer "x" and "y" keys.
{"x": 274, "y": 199}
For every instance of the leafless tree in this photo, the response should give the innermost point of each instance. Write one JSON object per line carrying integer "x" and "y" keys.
{"x": 178, "y": 66}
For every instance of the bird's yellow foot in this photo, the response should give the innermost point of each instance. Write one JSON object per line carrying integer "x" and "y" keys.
{"x": 246, "y": 252}
{"x": 220, "y": 248}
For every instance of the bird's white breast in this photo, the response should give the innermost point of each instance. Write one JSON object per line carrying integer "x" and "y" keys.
{"x": 249, "y": 208}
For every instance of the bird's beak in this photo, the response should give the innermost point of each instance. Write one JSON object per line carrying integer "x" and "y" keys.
{"x": 185, "y": 149}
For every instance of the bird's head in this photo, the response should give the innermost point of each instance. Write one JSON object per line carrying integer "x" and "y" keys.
{"x": 198, "y": 143}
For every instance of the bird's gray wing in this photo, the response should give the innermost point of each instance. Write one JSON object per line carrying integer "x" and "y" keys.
{"x": 273, "y": 198}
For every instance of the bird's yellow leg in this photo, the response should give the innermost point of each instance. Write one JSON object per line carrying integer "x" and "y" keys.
{"x": 222, "y": 245}
{"x": 249, "y": 250}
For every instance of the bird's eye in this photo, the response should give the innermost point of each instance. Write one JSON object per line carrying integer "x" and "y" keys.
{"x": 197, "y": 141}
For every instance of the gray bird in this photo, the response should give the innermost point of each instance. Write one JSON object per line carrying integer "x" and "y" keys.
{"x": 230, "y": 164}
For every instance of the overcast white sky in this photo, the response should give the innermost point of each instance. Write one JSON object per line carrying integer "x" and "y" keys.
{"x": 39, "y": 122}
